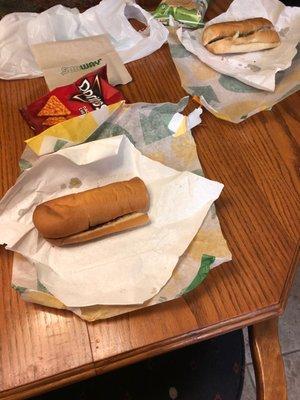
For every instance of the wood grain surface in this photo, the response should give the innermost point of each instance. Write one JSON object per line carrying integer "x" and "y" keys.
{"x": 35, "y": 343}
{"x": 258, "y": 209}
{"x": 268, "y": 361}
{"x": 259, "y": 213}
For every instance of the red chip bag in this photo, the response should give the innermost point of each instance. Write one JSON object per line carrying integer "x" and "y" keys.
{"x": 88, "y": 93}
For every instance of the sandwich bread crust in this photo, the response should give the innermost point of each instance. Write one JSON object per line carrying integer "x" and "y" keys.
{"x": 78, "y": 213}
{"x": 240, "y": 36}
{"x": 121, "y": 224}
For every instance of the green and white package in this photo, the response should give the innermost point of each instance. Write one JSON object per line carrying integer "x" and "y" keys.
{"x": 186, "y": 13}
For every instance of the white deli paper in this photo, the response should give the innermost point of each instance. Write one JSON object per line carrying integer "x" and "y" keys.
{"x": 257, "y": 69}
{"x": 18, "y": 31}
{"x": 127, "y": 268}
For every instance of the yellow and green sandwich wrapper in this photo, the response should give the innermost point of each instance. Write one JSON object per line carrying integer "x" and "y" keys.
{"x": 147, "y": 126}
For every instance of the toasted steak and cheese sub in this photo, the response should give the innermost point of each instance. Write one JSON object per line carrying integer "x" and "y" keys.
{"x": 240, "y": 36}
{"x": 94, "y": 213}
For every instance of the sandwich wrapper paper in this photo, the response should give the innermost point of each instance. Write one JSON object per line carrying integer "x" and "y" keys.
{"x": 171, "y": 261}
{"x": 227, "y": 97}
{"x": 257, "y": 69}
{"x": 20, "y": 30}
{"x": 126, "y": 268}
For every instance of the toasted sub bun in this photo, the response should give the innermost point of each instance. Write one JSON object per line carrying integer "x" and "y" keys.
{"x": 120, "y": 224}
{"x": 79, "y": 213}
{"x": 228, "y": 29}
{"x": 240, "y": 36}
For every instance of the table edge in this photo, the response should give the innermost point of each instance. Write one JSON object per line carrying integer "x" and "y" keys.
{"x": 97, "y": 367}
{"x": 50, "y": 383}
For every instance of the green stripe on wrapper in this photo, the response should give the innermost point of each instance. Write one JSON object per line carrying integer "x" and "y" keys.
{"x": 206, "y": 263}
{"x": 41, "y": 287}
{"x": 19, "y": 289}
{"x": 24, "y": 164}
{"x": 59, "y": 144}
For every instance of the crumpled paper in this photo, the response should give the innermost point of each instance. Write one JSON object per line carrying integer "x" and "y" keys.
{"x": 68, "y": 133}
{"x": 147, "y": 126}
{"x": 18, "y": 31}
{"x": 257, "y": 69}
{"x": 127, "y": 268}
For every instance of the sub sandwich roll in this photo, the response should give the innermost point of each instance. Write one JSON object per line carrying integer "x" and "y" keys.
{"x": 93, "y": 213}
{"x": 240, "y": 36}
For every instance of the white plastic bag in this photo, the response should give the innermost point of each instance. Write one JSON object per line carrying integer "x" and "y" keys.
{"x": 18, "y": 31}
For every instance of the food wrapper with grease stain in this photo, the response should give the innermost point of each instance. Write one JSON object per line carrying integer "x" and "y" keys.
{"x": 88, "y": 93}
{"x": 259, "y": 68}
{"x": 226, "y": 97}
{"x": 147, "y": 126}
{"x": 185, "y": 13}
{"x": 76, "y": 275}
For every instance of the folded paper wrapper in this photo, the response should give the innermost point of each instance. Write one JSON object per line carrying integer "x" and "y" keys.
{"x": 63, "y": 62}
{"x": 257, "y": 69}
{"x": 207, "y": 249}
{"x": 226, "y": 97}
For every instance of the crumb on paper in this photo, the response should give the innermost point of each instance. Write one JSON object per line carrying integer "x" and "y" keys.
{"x": 75, "y": 183}
{"x": 253, "y": 68}
{"x": 283, "y": 31}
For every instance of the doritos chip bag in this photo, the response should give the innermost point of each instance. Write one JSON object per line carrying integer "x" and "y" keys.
{"x": 88, "y": 93}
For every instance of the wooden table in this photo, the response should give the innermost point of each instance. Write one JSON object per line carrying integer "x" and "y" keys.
{"x": 42, "y": 349}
